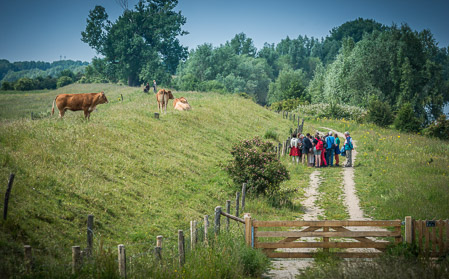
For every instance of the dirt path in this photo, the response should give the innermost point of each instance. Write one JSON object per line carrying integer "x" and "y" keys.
{"x": 290, "y": 268}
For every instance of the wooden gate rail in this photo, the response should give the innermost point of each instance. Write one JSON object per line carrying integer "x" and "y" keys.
{"x": 324, "y": 229}
{"x": 431, "y": 236}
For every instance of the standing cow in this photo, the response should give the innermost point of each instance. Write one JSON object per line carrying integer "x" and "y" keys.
{"x": 85, "y": 101}
{"x": 162, "y": 99}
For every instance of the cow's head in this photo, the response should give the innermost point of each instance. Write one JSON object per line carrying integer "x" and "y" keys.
{"x": 103, "y": 98}
{"x": 170, "y": 95}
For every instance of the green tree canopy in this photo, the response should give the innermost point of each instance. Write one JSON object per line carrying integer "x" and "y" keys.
{"x": 142, "y": 42}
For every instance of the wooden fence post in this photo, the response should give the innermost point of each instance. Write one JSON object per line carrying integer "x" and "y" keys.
{"x": 28, "y": 258}
{"x": 7, "y": 194}
{"x": 408, "y": 230}
{"x": 243, "y": 196}
{"x": 90, "y": 233}
{"x": 248, "y": 227}
{"x": 237, "y": 204}
{"x": 121, "y": 96}
{"x": 217, "y": 220}
{"x": 122, "y": 260}
{"x": 279, "y": 150}
{"x": 158, "y": 248}
{"x": 228, "y": 210}
{"x": 181, "y": 251}
{"x": 206, "y": 228}
{"x": 193, "y": 235}
{"x": 76, "y": 259}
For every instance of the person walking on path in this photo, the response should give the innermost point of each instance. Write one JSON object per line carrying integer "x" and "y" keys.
{"x": 294, "y": 151}
{"x": 348, "y": 148}
{"x": 154, "y": 86}
{"x": 330, "y": 141}
{"x": 337, "y": 150}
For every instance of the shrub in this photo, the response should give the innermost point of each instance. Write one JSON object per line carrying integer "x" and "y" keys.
{"x": 271, "y": 134}
{"x": 286, "y": 105}
{"x": 439, "y": 128}
{"x": 332, "y": 111}
{"x": 406, "y": 121}
{"x": 380, "y": 113}
{"x": 6, "y": 85}
{"x": 24, "y": 84}
{"x": 63, "y": 81}
{"x": 255, "y": 163}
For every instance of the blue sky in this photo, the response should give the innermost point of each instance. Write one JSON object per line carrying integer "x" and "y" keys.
{"x": 45, "y": 30}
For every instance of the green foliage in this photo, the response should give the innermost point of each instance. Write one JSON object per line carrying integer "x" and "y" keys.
{"x": 255, "y": 163}
{"x": 290, "y": 84}
{"x": 439, "y": 128}
{"x": 271, "y": 134}
{"x": 63, "y": 81}
{"x": 380, "y": 113}
{"x": 24, "y": 84}
{"x": 286, "y": 105}
{"x": 332, "y": 111}
{"x": 7, "y": 86}
{"x": 142, "y": 43}
{"x": 405, "y": 119}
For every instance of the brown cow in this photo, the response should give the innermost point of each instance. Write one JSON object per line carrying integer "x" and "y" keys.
{"x": 162, "y": 99}
{"x": 181, "y": 104}
{"x": 85, "y": 101}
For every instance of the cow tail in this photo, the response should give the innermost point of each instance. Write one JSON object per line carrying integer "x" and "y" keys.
{"x": 53, "y": 107}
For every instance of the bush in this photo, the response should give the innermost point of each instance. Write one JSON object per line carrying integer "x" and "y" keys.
{"x": 406, "y": 121}
{"x": 332, "y": 111}
{"x": 255, "y": 163}
{"x": 271, "y": 134}
{"x": 24, "y": 84}
{"x": 6, "y": 85}
{"x": 63, "y": 81}
{"x": 439, "y": 128}
{"x": 380, "y": 113}
{"x": 286, "y": 105}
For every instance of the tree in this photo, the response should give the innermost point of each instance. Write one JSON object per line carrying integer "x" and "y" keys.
{"x": 290, "y": 84}
{"x": 406, "y": 121}
{"x": 142, "y": 43}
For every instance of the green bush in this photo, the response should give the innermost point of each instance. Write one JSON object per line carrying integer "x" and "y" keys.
{"x": 332, "y": 111}
{"x": 6, "y": 85}
{"x": 63, "y": 81}
{"x": 24, "y": 84}
{"x": 406, "y": 121}
{"x": 380, "y": 113}
{"x": 271, "y": 134}
{"x": 286, "y": 105}
{"x": 255, "y": 163}
{"x": 439, "y": 128}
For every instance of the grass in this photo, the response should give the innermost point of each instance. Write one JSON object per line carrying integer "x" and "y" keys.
{"x": 140, "y": 177}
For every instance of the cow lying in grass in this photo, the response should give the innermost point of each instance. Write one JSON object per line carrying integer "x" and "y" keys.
{"x": 85, "y": 101}
{"x": 181, "y": 104}
{"x": 162, "y": 99}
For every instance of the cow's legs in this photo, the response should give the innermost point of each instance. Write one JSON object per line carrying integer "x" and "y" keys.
{"x": 86, "y": 114}
{"x": 61, "y": 113}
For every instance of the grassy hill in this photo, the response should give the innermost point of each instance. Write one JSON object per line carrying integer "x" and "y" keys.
{"x": 139, "y": 176}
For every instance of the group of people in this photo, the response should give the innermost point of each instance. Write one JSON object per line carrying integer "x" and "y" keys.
{"x": 147, "y": 87}
{"x": 319, "y": 151}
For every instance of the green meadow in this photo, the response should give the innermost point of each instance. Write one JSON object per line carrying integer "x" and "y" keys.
{"x": 142, "y": 177}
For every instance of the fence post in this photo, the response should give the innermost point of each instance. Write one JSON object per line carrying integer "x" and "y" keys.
{"x": 90, "y": 233}
{"x": 237, "y": 204}
{"x": 248, "y": 227}
{"x": 243, "y": 196}
{"x": 279, "y": 150}
{"x": 228, "y": 210}
{"x": 158, "y": 248}
{"x": 28, "y": 258}
{"x": 408, "y": 230}
{"x": 206, "y": 228}
{"x": 8, "y": 192}
{"x": 121, "y": 96}
{"x": 122, "y": 260}
{"x": 76, "y": 259}
{"x": 217, "y": 220}
{"x": 181, "y": 247}
{"x": 193, "y": 237}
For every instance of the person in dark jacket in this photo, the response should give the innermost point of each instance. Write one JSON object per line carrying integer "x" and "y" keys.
{"x": 307, "y": 150}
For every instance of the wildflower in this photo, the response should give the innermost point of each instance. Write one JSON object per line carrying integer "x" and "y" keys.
{"x": 399, "y": 137}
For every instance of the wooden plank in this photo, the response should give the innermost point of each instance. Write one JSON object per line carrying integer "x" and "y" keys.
{"x": 232, "y": 217}
{"x": 398, "y": 238}
{"x": 446, "y": 225}
{"x": 433, "y": 239}
{"x": 276, "y": 245}
{"x": 291, "y": 239}
{"x": 327, "y": 234}
{"x": 328, "y": 223}
{"x": 291, "y": 255}
{"x": 426, "y": 236}
{"x": 361, "y": 239}
{"x": 420, "y": 235}
{"x": 440, "y": 237}
{"x": 408, "y": 229}
{"x": 248, "y": 225}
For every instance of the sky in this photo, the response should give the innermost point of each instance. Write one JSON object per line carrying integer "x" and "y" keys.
{"x": 48, "y": 30}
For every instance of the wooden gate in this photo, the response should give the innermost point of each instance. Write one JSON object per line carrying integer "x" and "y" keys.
{"x": 431, "y": 236}
{"x": 368, "y": 238}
